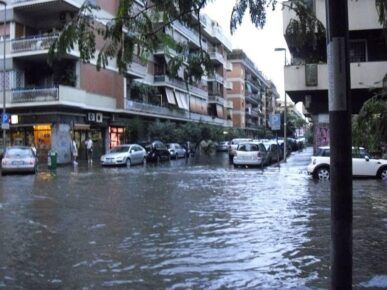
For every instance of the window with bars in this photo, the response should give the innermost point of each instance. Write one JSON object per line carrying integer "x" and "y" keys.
{"x": 358, "y": 50}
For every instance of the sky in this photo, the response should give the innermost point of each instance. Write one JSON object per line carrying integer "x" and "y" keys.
{"x": 258, "y": 44}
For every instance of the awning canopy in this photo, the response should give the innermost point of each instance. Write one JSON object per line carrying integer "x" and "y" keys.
{"x": 185, "y": 100}
{"x": 170, "y": 96}
{"x": 179, "y": 100}
{"x": 219, "y": 111}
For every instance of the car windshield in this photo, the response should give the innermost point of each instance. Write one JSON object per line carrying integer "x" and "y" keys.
{"x": 248, "y": 147}
{"x": 18, "y": 153}
{"x": 119, "y": 149}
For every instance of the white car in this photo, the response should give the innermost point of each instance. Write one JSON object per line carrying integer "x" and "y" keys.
{"x": 362, "y": 164}
{"x": 250, "y": 153}
{"x": 234, "y": 144}
{"x": 126, "y": 154}
{"x": 19, "y": 159}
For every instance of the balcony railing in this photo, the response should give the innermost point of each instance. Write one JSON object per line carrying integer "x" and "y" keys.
{"x": 215, "y": 78}
{"x": 179, "y": 84}
{"x": 217, "y": 56}
{"x": 192, "y": 35}
{"x": 34, "y": 95}
{"x": 32, "y": 44}
{"x": 216, "y": 99}
{"x": 153, "y": 109}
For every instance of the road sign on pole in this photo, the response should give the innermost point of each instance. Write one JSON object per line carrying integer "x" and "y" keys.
{"x": 275, "y": 122}
{"x": 5, "y": 121}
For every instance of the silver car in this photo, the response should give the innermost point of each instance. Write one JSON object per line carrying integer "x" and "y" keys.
{"x": 250, "y": 153}
{"x": 19, "y": 159}
{"x": 176, "y": 150}
{"x": 127, "y": 154}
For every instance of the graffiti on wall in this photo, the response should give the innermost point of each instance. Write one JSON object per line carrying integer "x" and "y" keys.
{"x": 321, "y": 133}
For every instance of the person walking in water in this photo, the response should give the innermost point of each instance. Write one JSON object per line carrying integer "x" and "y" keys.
{"x": 74, "y": 151}
{"x": 89, "y": 149}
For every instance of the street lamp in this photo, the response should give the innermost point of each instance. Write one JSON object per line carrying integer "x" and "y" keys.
{"x": 286, "y": 108}
{"x": 4, "y": 48}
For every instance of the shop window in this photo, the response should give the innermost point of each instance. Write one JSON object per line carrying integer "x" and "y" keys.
{"x": 116, "y": 136}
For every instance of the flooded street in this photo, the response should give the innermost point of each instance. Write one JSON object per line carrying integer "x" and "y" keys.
{"x": 184, "y": 224}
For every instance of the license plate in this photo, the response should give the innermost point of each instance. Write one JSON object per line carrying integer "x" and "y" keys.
{"x": 17, "y": 163}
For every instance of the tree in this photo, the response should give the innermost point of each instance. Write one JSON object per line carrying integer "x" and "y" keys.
{"x": 369, "y": 128}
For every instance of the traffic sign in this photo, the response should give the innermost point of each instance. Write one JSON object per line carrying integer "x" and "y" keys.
{"x": 275, "y": 122}
{"x": 5, "y": 126}
{"x": 5, "y": 118}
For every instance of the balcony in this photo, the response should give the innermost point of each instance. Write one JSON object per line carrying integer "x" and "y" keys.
{"x": 215, "y": 100}
{"x": 148, "y": 109}
{"x": 192, "y": 35}
{"x": 215, "y": 78}
{"x": 136, "y": 68}
{"x": 363, "y": 75}
{"x": 362, "y": 15}
{"x": 217, "y": 57}
{"x": 165, "y": 80}
{"x": 62, "y": 95}
{"x": 254, "y": 99}
{"x": 19, "y": 3}
{"x": 37, "y": 43}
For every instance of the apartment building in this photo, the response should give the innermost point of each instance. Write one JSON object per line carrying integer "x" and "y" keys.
{"x": 71, "y": 99}
{"x": 307, "y": 81}
{"x": 249, "y": 94}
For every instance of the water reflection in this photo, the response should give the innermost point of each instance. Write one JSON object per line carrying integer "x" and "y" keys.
{"x": 181, "y": 224}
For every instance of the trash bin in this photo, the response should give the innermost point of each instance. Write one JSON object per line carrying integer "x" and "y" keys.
{"x": 52, "y": 160}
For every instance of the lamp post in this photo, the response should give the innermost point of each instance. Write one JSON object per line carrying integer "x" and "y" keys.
{"x": 286, "y": 108}
{"x": 4, "y": 48}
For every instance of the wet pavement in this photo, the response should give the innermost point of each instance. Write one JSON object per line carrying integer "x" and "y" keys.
{"x": 195, "y": 223}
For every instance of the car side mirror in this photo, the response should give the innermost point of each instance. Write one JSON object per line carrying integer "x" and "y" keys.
{"x": 367, "y": 158}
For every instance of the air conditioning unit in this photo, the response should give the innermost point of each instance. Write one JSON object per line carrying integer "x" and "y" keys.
{"x": 99, "y": 117}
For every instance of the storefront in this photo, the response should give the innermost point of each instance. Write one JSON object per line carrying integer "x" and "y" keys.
{"x": 116, "y": 136}
{"x": 81, "y": 132}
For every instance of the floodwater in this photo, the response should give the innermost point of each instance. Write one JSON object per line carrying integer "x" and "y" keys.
{"x": 195, "y": 223}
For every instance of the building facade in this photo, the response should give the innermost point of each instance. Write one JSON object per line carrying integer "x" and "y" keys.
{"x": 307, "y": 80}
{"x": 71, "y": 99}
{"x": 250, "y": 94}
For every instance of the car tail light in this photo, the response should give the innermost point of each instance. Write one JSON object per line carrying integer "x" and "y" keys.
{"x": 4, "y": 161}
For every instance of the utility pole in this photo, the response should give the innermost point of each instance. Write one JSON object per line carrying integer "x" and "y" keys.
{"x": 340, "y": 143}
{"x": 4, "y": 73}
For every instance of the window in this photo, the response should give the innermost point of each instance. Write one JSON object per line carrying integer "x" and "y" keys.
{"x": 358, "y": 50}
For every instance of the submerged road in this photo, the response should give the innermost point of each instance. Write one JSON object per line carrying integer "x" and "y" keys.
{"x": 196, "y": 223}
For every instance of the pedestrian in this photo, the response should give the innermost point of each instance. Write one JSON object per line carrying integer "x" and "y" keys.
{"x": 89, "y": 149}
{"x": 74, "y": 151}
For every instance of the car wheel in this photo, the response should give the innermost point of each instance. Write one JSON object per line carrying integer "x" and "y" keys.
{"x": 128, "y": 162}
{"x": 323, "y": 173}
{"x": 383, "y": 174}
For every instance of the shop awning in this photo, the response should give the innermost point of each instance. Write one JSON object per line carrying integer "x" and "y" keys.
{"x": 81, "y": 127}
{"x": 170, "y": 96}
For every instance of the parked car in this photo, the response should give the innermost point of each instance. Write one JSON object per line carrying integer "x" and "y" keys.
{"x": 157, "y": 151}
{"x": 19, "y": 159}
{"x": 274, "y": 153}
{"x": 362, "y": 164}
{"x": 126, "y": 154}
{"x": 234, "y": 144}
{"x": 176, "y": 150}
{"x": 250, "y": 153}
{"x": 222, "y": 146}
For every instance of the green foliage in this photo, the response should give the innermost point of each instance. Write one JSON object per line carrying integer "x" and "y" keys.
{"x": 369, "y": 127}
{"x": 306, "y": 35}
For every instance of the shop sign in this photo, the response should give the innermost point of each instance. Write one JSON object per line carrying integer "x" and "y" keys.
{"x": 95, "y": 117}
{"x": 14, "y": 119}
